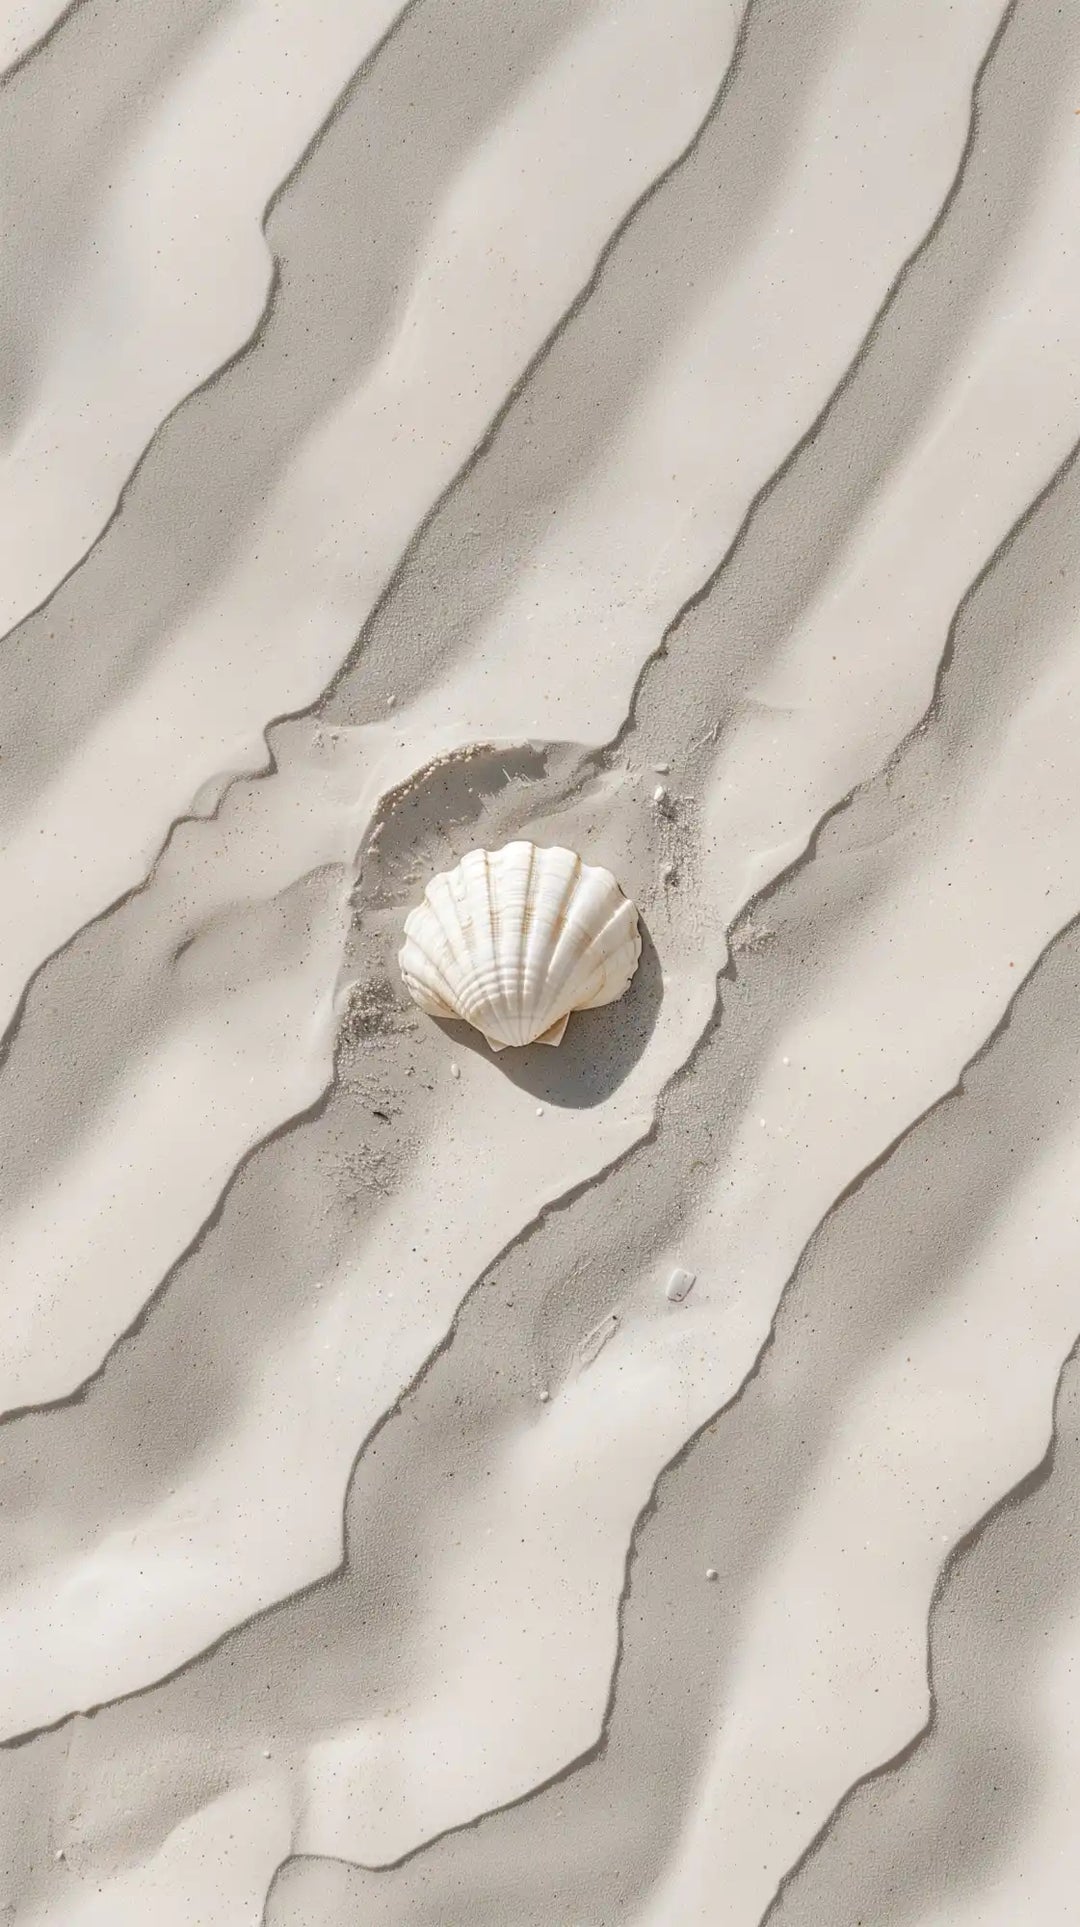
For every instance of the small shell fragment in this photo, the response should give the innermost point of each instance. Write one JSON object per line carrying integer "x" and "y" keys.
{"x": 679, "y": 1285}
{"x": 594, "y": 1341}
{"x": 514, "y": 940}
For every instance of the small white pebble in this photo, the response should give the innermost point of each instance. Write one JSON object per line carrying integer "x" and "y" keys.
{"x": 455, "y": 1070}
{"x": 711, "y": 1572}
{"x": 266, "y": 1752}
{"x": 544, "y": 1397}
{"x": 539, "y": 1110}
{"x": 59, "y": 1853}
{"x": 659, "y": 794}
{"x": 668, "y": 872}
{"x": 680, "y": 1284}
{"x": 390, "y": 701}
{"x": 661, "y": 768}
{"x": 785, "y": 1060}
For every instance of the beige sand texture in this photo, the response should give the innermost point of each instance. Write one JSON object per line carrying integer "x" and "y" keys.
{"x": 432, "y": 426}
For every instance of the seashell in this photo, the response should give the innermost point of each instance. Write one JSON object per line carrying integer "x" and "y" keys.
{"x": 516, "y": 939}
{"x": 680, "y": 1284}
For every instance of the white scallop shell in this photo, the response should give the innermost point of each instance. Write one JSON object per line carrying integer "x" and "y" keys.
{"x": 513, "y": 940}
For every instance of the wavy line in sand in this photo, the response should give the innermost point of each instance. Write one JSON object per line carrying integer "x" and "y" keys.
{"x": 253, "y": 341}
{"x": 1024, "y": 1488}
{"x": 39, "y": 45}
{"x": 245, "y": 349}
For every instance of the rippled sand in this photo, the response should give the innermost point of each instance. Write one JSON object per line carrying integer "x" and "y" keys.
{"x": 421, "y": 429}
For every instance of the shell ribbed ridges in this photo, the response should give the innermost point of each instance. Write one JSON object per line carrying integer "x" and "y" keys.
{"x": 513, "y": 940}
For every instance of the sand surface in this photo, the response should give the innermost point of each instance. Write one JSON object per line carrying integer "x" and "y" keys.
{"x": 423, "y": 428}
